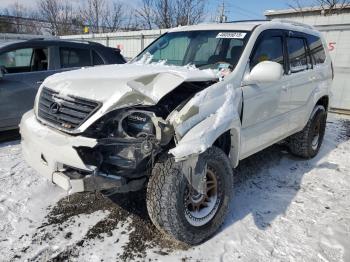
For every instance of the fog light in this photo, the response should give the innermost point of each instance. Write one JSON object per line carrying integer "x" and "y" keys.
{"x": 146, "y": 147}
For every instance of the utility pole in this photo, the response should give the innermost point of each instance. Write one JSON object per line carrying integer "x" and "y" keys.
{"x": 221, "y": 18}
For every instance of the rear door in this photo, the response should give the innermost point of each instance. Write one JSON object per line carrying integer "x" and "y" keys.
{"x": 265, "y": 110}
{"x": 301, "y": 76}
{"x": 25, "y": 68}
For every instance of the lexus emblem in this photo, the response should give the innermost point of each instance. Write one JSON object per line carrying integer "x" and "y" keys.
{"x": 55, "y": 108}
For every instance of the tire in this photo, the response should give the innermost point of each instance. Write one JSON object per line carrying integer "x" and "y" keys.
{"x": 307, "y": 142}
{"x": 168, "y": 201}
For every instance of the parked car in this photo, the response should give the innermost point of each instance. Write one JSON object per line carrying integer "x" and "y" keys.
{"x": 25, "y": 64}
{"x": 181, "y": 116}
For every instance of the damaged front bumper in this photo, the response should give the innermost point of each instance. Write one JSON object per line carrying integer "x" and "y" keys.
{"x": 56, "y": 156}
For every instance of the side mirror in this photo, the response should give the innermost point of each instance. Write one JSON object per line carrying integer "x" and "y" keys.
{"x": 264, "y": 73}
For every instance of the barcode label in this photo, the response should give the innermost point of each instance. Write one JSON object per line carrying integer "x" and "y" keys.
{"x": 233, "y": 35}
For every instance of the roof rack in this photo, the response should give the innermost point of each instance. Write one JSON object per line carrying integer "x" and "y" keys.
{"x": 247, "y": 21}
{"x": 293, "y": 23}
{"x": 36, "y": 38}
{"x": 79, "y": 41}
{"x": 42, "y": 38}
{"x": 94, "y": 43}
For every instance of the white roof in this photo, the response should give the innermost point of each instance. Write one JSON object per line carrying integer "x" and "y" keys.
{"x": 244, "y": 26}
{"x": 4, "y": 43}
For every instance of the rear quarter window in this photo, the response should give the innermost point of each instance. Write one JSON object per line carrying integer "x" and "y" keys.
{"x": 318, "y": 54}
{"x": 96, "y": 59}
{"x": 74, "y": 57}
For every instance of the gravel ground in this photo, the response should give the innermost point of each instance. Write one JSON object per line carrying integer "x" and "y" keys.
{"x": 283, "y": 209}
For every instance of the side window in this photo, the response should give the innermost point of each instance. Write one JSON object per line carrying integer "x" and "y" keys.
{"x": 96, "y": 59}
{"x": 297, "y": 54}
{"x": 120, "y": 59}
{"x": 39, "y": 59}
{"x": 17, "y": 61}
{"x": 74, "y": 57}
{"x": 235, "y": 49}
{"x": 269, "y": 49}
{"x": 317, "y": 51}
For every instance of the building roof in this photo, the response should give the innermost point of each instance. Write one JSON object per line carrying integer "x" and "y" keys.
{"x": 302, "y": 10}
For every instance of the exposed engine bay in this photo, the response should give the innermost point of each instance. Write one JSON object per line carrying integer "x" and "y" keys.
{"x": 129, "y": 140}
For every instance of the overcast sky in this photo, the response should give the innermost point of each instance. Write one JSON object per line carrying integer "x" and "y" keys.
{"x": 236, "y": 9}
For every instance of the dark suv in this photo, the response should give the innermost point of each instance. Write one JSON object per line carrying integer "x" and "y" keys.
{"x": 25, "y": 64}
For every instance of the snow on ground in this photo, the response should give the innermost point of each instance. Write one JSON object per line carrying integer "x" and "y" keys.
{"x": 284, "y": 209}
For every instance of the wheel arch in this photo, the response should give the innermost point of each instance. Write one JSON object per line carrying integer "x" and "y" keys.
{"x": 229, "y": 142}
{"x": 224, "y": 142}
{"x": 323, "y": 101}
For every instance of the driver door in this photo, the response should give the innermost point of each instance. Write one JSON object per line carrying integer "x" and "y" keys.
{"x": 265, "y": 111}
{"x": 25, "y": 69}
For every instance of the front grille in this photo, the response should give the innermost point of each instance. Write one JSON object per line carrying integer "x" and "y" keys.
{"x": 64, "y": 112}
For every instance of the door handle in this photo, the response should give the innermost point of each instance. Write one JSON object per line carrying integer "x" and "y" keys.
{"x": 313, "y": 78}
{"x": 284, "y": 88}
{"x": 40, "y": 82}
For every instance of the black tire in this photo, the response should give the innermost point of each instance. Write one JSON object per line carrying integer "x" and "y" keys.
{"x": 166, "y": 193}
{"x": 307, "y": 142}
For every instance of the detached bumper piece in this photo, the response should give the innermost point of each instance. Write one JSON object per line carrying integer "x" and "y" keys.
{"x": 74, "y": 182}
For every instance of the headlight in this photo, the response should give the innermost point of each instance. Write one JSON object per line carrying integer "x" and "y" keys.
{"x": 130, "y": 123}
{"x": 138, "y": 124}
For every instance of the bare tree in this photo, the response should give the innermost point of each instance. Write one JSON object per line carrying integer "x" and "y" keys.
{"x": 146, "y": 14}
{"x": 113, "y": 17}
{"x": 21, "y": 19}
{"x": 328, "y": 6}
{"x": 103, "y": 16}
{"x": 132, "y": 22}
{"x": 59, "y": 14}
{"x": 170, "y": 13}
{"x": 333, "y": 6}
{"x": 298, "y": 6}
{"x": 92, "y": 14}
{"x": 189, "y": 12}
{"x": 164, "y": 13}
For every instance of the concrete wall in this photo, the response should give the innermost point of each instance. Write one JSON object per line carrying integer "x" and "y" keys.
{"x": 130, "y": 43}
{"x": 336, "y": 29}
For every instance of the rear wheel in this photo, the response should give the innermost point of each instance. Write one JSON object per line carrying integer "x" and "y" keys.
{"x": 307, "y": 142}
{"x": 180, "y": 211}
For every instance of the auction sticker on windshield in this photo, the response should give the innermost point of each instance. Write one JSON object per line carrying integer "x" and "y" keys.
{"x": 234, "y": 35}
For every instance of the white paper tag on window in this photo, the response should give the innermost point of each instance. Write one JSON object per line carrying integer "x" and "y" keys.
{"x": 233, "y": 35}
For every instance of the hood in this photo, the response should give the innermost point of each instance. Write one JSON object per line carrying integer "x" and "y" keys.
{"x": 127, "y": 84}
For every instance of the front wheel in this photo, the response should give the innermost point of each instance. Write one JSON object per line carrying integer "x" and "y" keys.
{"x": 178, "y": 210}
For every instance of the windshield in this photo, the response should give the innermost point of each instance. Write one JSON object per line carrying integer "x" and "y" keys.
{"x": 203, "y": 49}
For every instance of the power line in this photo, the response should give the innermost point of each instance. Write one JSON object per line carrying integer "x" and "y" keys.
{"x": 249, "y": 16}
{"x": 245, "y": 10}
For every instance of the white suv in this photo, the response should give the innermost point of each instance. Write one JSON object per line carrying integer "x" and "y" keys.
{"x": 180, "y": 117}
